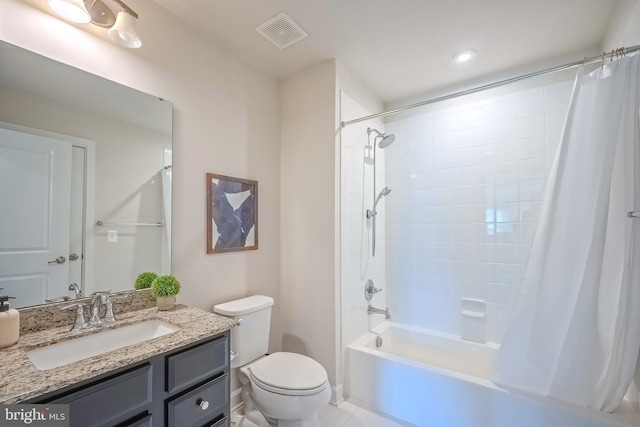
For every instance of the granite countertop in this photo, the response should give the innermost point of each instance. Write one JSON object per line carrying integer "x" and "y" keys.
{"x": 21, "y": 380}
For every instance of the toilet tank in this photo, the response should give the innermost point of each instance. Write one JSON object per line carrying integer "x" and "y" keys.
{"x": 250, "y": 339}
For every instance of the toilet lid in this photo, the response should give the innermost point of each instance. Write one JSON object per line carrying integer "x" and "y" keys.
{"x": 289, "y": 371}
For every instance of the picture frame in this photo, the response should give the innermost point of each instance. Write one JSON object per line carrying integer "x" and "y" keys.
{"x": 232, "y": 214}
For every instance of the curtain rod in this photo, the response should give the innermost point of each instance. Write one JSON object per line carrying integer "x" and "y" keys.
{"x": 614, "y": 53}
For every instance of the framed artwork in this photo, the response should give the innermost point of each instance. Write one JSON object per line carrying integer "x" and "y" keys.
{"x": 232, "y": 214}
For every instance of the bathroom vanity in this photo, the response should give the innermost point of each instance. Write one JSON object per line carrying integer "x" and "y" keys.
{"x": 179, "y": 379}
{"x": 185, "y": 387}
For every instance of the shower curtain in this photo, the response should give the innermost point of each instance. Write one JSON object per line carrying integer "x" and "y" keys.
{"x": 575, "y": 331}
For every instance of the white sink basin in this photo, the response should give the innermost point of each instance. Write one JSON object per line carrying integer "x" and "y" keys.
{"x": 73, "y": 350}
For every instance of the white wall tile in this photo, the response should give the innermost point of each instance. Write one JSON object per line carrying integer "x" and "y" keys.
{"x": 532, "y": 189}
{"x": 506, "y": 192}
{"x": 531, "y": 148}
{"x": 531, "y": 104}
{"x": 532, "y": 169}
{"x": 531, "y": 127}
{"x": 477, "y": 174}
{"x": 506, "y": 131}
{"x": 551, "y": 144}
{"x": 554, "y": 121}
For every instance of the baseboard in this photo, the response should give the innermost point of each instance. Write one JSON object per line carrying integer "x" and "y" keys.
{"x": 236, "y": 400}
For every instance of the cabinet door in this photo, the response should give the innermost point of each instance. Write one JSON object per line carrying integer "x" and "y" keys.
{"x": 109, "y": 400}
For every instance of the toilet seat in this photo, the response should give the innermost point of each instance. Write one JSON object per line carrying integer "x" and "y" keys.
{"x": 289, "y": 374}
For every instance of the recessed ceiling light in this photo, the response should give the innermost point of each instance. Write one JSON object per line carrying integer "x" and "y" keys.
{"x": 464, "y": 56}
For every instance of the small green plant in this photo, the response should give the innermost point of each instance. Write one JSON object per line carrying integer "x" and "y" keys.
{"x": 164, "y": 286}
{"x": 145, "y": 280}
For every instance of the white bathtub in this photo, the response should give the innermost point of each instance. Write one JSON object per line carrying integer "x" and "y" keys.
{"x": 432, "y": 379}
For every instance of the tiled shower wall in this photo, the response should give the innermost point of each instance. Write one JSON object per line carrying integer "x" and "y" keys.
{"x": 467, "y": 184}
{"x": 357, "y": 263}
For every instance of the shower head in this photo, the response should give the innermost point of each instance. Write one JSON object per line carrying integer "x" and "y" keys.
{"x": 372, "y": 212}
{"x": 383, "y": 192}
{"x": 385, "y": 139}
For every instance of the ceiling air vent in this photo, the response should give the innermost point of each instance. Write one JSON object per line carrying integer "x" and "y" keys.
{"x": 281, "y": 31}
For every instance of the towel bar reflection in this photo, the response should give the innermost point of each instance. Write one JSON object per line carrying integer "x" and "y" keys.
{"x": 633, "y": 214}
{"x": 128, "y": 224}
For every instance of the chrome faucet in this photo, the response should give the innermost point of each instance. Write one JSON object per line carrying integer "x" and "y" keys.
{"x": 76, "y": 290}
{"x": 98, "y": 300}
{"x": 373, "y": 310}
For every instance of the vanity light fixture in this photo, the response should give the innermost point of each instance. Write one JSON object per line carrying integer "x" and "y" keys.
{"x": 464, "y": 56}
{"x": 122, "y": 28}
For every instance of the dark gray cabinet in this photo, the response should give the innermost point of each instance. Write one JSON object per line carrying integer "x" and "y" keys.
{"x": 185, "y": 387}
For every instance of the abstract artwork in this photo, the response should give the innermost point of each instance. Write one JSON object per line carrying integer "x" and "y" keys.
{"x": 232, "y": 214}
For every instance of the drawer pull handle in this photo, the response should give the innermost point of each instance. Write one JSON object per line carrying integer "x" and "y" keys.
{"x": 203, "y": 404}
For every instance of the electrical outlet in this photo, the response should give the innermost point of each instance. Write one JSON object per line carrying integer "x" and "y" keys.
{"x": 112, "y": 236}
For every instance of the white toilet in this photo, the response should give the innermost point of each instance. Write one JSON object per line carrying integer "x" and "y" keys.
{"x": 283, "y": 389}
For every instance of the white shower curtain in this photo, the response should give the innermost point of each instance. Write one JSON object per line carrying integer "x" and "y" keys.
{"x": 575, "y": 332}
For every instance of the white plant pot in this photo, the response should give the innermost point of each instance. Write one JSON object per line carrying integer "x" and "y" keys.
{"x": 166, "y": 303}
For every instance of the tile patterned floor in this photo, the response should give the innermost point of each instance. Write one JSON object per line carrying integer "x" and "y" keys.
{"x": 352, "y": 414}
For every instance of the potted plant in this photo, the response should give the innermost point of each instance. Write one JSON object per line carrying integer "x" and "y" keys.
{"x": 165, "y": 289}
{"x": 145, "y": 280}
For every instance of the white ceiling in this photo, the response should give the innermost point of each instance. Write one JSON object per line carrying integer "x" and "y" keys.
{"x": 401, "y": 48}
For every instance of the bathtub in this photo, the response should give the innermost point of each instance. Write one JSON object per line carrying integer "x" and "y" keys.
{"x": 431, "y": 379}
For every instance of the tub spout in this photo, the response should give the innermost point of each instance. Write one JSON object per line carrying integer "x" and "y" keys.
{"x": 373, "y": 310}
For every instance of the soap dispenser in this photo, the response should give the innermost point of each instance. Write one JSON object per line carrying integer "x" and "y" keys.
{"x": 9, "y": 323}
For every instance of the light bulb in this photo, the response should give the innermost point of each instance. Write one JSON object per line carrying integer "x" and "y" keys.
{"x": 71, "y": 10}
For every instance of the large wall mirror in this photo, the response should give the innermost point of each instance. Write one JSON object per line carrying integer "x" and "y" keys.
{"x": 85, "y": 181}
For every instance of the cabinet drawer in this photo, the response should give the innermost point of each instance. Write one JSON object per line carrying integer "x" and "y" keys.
{"x": 222, "y": 423}
{"x": 110, "y": 399}
{"x": 187, "y": 411}
{"x": 196, "y": 364}
{"x": 141, "y": 422}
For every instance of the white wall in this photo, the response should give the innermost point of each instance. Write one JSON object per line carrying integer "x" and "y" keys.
{"x": 309, "y": 217}
{"x": 624, "y": 28}
{"x": 226, "y": 121}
